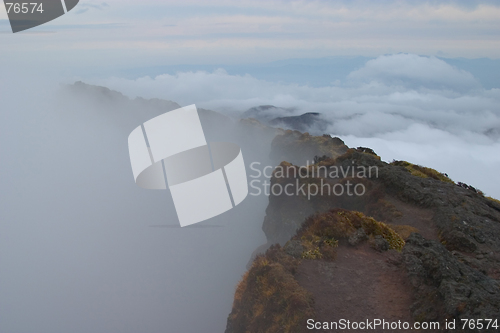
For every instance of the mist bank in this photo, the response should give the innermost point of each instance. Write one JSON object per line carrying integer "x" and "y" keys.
{"x": 82, "y": 247}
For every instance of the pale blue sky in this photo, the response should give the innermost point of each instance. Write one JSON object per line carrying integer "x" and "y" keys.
{"x": 125, "y": 34}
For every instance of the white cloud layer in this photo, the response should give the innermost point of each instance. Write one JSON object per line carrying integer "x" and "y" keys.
{"x": 404, "y": 106}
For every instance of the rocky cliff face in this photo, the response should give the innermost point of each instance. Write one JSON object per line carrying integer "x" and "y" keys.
{"x": 435, "y": 243}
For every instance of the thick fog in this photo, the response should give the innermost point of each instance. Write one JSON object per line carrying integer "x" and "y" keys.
{"x": 404, "y": 106}
{"x": 82, "y": 248}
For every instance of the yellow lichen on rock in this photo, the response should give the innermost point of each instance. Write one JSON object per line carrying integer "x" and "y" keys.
{"x": 423, "y": 172}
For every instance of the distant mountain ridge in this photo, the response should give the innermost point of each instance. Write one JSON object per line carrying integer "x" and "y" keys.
{"x": 285, "y": 118}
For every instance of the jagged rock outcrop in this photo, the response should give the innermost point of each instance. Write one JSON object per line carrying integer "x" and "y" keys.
{"x": 301, "y": 148}
{"x": 447, "y": 288}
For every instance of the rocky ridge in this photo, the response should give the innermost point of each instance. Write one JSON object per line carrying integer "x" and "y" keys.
{"x": 447, "y": 267}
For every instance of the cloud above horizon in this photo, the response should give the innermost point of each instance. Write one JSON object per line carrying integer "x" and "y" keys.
{"x": 415, "y": 72}
{"x": 404, "y": 106}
